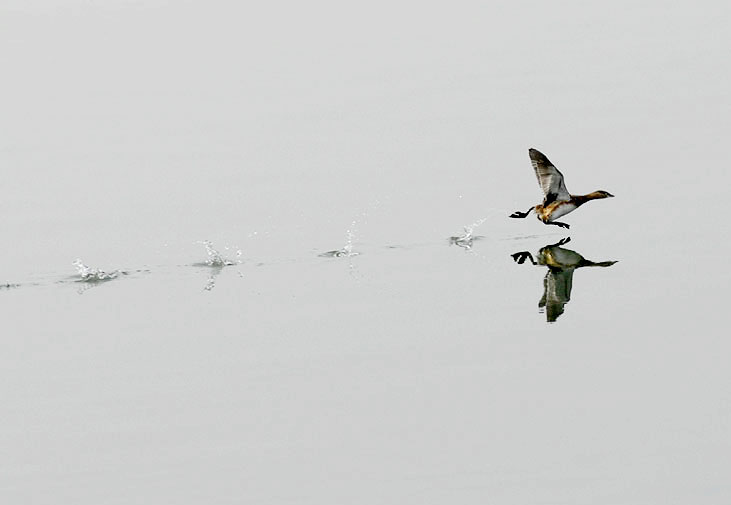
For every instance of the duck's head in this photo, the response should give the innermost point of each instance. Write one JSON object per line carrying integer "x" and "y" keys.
{"x": 602, "y": 194}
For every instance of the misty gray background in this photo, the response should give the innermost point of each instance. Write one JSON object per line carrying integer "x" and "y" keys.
{"x": 416, "y": 372}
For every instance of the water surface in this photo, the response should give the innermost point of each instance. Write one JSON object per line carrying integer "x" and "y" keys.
{"x": 297, "y": 280}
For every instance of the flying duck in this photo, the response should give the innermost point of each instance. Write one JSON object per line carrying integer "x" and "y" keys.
{"x": 557, "y": 201}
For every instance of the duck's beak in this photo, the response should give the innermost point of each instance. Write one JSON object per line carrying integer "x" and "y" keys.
{"x": 610, "y": 195}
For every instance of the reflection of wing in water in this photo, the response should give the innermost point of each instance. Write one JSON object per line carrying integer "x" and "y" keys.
{"x": 556, "y": 292}
{"x": 557, "y": 283}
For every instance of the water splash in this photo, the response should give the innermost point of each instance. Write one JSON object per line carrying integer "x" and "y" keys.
{"x": 352, "y": 233}
{"x": 89, "y": 274}
{"x": 211, "y": 282}
{"x": 467, "y": 239}
{"x": 217, "y": 259}
{"x": 347, "y": 250}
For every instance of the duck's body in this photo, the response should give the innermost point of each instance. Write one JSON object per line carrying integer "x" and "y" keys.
{"x": 557, "y": 201}
{"x": 554, "y": 210}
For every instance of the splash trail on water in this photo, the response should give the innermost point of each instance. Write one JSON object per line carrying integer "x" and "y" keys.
{"x": 89, "y": 274}
{"x": 217, "y": 259}
{"x": 347, "y": 250}
{"x": 467, "y": 239}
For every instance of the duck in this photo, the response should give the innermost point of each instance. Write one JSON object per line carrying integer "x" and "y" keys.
{"x": 557, "y": 201}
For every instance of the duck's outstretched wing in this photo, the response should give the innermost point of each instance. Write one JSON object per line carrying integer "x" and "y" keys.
{"x": 549, "y": 178}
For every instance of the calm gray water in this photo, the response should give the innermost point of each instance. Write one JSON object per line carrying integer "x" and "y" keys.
{"x": 260, "y": 368}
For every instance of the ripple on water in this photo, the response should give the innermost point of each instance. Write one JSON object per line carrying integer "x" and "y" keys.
{"x": 340, "y": 253}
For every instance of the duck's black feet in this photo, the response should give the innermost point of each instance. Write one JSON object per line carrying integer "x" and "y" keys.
{"x": 519, "y": 214}
{"x": 556, "y": 223}
{"x": 521, "y": 256}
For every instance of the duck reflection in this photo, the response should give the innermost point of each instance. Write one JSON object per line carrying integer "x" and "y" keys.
{"x": 561, "y": 264}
